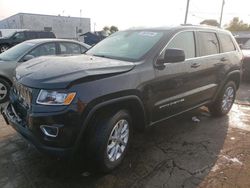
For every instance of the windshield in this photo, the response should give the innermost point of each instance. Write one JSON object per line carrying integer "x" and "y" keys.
{"x": 14, "y": 53}
{"x": 126, "y": 45}
{"x": 244, "y": 42}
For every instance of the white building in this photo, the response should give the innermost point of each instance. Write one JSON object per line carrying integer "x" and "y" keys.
{"x": 62, "y": 26}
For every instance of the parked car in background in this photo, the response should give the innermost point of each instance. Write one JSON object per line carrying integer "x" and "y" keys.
{"x": 8, "y": 32}
{"x": 20, "y": 36}
{"x": 134, "y": 79}
{"x": 29, "y": 50}
{"x": 244, "y": 43}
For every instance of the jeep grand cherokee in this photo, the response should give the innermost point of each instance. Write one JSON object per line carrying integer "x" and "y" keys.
{"x": 129, "y": 81}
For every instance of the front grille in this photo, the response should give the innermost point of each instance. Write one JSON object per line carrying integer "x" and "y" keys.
{"x": 23, "y": 94}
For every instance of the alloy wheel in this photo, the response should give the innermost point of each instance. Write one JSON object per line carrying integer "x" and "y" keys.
{"x": 118, "y": 140}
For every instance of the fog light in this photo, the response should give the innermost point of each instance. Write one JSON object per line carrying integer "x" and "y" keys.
{"x": 50, "y": 131}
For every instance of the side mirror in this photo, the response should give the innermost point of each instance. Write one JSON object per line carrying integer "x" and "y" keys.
{"x": 172, "y": 56}
{"x": 28, "y": 57}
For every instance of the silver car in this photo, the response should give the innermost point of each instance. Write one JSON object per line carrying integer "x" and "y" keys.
{"x": 29, "y": 50}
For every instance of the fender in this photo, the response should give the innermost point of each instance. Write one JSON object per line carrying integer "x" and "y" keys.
{"x": 235, "y": 72}
{"x": 99, "y": 106}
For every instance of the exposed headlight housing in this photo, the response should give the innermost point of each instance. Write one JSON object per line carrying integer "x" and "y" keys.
{"x": 46, "y": 97}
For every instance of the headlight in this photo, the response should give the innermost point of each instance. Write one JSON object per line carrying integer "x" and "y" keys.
{"x": 55, "y": 98}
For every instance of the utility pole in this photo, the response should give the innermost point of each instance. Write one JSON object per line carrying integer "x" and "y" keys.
{"x": 221, "y": 13}
{"x": 186, "y": 15}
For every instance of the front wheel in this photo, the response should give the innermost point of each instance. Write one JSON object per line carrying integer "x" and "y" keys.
{"x": 3, "y": 48}
{"x": 110, "y": 140}
{"x": 224, "y": 101}
{"x": 4, "y": 90}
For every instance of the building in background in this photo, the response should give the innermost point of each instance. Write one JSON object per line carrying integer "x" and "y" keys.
{"x": 62, "y": 26}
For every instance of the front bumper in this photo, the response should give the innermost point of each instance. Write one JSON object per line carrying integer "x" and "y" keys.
{"x": 11, "y": 118}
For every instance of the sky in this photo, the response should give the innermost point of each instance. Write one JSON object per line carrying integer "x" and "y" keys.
{"x": 131, "y": 13}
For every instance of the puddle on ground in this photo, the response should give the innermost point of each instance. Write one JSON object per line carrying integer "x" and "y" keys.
{"x": 240, "y": 117}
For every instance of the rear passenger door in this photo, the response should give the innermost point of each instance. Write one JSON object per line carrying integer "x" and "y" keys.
{"x": 204, "y": 69}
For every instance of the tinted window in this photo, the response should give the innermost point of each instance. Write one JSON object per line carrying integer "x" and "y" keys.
{"x": 19, "y": 36}
{"x": 208, "y": 43}
{"x": 31, "y": 35}
{"x": 44, "y": 49}
{"x": 70, "y": 48}
{"x": 126, "y": 45}
{"x": 226, "y": 43}
{"x": 184, "y": 41}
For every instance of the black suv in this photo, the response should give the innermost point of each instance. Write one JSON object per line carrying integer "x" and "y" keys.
{"x": 129, "y": 81}
{"x": 20, "y": 36}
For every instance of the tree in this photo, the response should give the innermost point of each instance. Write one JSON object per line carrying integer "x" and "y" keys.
{"x": 210, "y": 22}
{"x": 237, "y": 25}
{"x": 109, "y": 30}
{"x": 113, "y": 29}
{"x": 106, "y": 28}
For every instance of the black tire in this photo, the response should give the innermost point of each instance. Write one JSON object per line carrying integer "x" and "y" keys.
{"x": 99, "y": 141}
{"x": 3, "y": 48}
{"x": 218, "y": 108}
{"x": 4, "y": 90}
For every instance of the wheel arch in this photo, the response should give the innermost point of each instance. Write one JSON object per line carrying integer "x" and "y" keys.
{"x": 6, "y": 79}
{"x": 234, "y": 76}
{"x": 131, "y": 103}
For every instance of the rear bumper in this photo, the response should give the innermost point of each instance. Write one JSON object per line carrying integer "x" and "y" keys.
{"x": 12, "y": 119}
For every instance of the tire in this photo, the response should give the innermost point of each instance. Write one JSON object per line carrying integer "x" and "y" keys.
{"x": 4, "y": 90}
{"x": 224, "y": 101}
{"x": 106, "y": 153}
{"x": 3, "y": 48}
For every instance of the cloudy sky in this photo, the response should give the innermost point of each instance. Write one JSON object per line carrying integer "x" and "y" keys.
{"x": 131, "y": 13}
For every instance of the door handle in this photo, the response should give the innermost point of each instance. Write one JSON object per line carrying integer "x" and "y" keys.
{"x": 223, "y": 59}
{"x": 195, "y": 65}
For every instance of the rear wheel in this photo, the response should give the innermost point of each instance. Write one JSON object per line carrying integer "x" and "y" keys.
{"x": 3, "y": 48}
{"x": 224, "y": 101}
{"x": 110, "y": 140}
{"x": 4, "y": 90}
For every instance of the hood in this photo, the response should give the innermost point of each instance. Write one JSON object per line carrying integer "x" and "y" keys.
{"x": 60, "y": 72}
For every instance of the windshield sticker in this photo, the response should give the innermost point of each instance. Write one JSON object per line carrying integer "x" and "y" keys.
{"x": 148, "y": 33}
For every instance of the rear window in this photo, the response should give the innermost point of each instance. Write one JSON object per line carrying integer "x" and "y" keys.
{"x": 208, "y": 43}
{"x": 226, "y": 43}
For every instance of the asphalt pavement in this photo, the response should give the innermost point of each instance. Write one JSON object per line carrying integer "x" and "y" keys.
{"x": 191, "y": 150}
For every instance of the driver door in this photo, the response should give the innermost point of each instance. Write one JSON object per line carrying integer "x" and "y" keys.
{"x": 172, "y": 85}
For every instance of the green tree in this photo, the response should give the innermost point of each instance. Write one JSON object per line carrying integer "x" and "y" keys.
{"x": 109, "y": 30}
{"x": 237, "y": 25}
{"x": 113, "y": 29}
{"x": 210, "y": 22}
{"x": 106, "y": 28}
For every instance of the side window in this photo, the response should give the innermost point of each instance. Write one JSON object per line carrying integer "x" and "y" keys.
{"x": 70, "y": 48}
{"x": 184, "y": 41}
{"x": 226, "y": 43}
{"x": 83, "y": 49}
{"x": 44, "y": 49}
{"x": 208, "y": 43}
{"x": 31, "y": 35}
{"x": 19, "y": 36}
